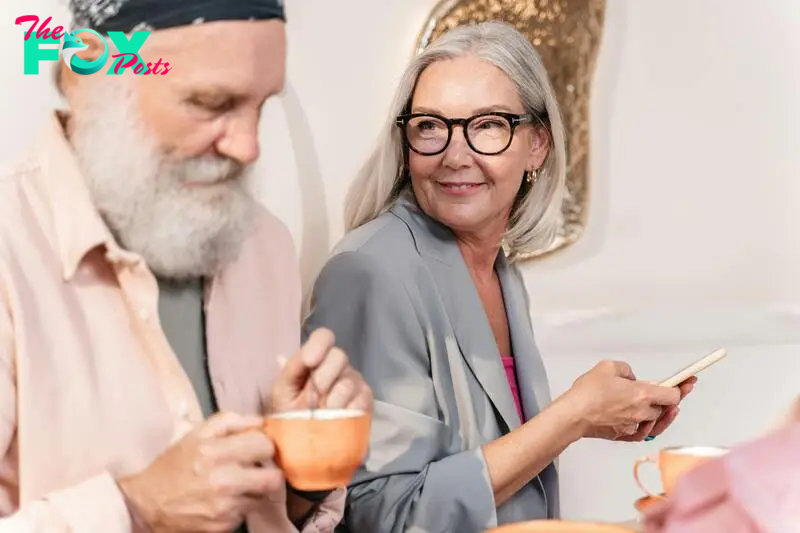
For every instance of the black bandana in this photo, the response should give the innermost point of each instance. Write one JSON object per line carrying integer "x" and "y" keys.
{"x": 148, "y": 15}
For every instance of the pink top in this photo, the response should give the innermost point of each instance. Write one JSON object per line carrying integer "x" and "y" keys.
{"x": 511, "y": 375}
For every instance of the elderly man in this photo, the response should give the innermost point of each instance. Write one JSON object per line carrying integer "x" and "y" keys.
{"x": 142, "y": 291}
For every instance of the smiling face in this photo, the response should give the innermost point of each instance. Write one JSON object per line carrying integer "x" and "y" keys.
{"x": 464, "y": 190}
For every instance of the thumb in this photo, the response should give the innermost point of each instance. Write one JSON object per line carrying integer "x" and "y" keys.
{"x": 660, "y": 395}
{"x": 296, "y": 370}
{"x": 294, "y": 373}
{"x": 317, "y": 347}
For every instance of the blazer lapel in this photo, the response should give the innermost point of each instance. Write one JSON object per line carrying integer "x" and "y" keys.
{"x": 461, "y": 300}
{"x": 534, "y": 389}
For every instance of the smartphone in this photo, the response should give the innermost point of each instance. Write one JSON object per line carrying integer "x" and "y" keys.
{"x": 694, "y": 369}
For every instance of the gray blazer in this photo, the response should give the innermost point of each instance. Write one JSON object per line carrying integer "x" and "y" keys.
{"x": 398, "y": 296}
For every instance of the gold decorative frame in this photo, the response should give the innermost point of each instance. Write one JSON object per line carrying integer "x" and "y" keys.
{"x": 566, "y": 33}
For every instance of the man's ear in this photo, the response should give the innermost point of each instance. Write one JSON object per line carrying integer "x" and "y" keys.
{"x": 67, "y": 78}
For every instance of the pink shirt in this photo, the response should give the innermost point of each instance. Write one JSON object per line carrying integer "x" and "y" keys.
{"x": 511, "y": 376}
{"x": 753, "y": 489}
{"x": 90, "y": 389}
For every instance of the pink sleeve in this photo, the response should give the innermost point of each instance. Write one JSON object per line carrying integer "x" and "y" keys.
{"x": 754, "y": 489}
{"x": 93, "y": 506}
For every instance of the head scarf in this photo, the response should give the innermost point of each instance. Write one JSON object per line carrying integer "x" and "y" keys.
{"x": 148, "y": 15}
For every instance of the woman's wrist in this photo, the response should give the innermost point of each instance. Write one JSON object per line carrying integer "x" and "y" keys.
{"x": 571, "y": 417}
{"x": 514, "y": 459}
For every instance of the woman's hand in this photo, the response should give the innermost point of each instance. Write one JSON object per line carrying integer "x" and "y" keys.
{"x": 611, "y": 404}
{"x": 667, "y": 417}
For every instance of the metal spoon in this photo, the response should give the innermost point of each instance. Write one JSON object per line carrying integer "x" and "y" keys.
{"x": 313, "y": 395}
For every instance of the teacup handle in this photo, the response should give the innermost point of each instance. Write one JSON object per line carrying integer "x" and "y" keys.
{"x": 639, "y": 462}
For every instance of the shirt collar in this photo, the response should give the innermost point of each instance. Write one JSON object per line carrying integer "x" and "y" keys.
{"x": 78, "y": 225}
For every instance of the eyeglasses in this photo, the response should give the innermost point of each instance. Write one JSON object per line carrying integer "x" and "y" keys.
{"x": 486, "y": 133}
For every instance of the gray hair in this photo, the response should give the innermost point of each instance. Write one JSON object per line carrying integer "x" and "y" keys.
{"x": 535, "y": 217}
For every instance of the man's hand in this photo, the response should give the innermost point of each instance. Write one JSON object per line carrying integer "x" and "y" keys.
{"x": 208, "y": 481}
{"x": 319, "y": 375}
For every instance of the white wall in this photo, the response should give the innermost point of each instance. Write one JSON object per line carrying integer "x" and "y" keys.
{"x": 691, "y": 244}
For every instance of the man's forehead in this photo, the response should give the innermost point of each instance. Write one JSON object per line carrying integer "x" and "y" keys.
{"x": 232, "y": 39}
{"x": 223, "y": 58}
{"x": 225, "y": 37}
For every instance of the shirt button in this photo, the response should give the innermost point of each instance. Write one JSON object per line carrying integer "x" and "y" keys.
{"x": 144, "y": 314}
{"x": 183, "y": 409}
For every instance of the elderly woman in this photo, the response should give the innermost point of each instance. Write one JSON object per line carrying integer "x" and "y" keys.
{"x": 424, "y": 299}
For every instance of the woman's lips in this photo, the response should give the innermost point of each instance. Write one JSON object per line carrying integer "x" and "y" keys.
{"x": 460, "y": 189}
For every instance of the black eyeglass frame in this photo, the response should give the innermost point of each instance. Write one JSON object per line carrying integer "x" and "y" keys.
{"x": 513, "y": 119}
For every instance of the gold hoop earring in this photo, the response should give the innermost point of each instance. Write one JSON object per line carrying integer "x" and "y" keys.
{"x": 531, "y": 175}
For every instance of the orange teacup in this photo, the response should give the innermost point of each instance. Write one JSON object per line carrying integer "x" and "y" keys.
{"x": 319, "y": 449}
{"x": 674, "y": 462}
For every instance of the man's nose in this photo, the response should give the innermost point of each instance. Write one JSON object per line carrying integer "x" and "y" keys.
{"x": 240, "y": 140}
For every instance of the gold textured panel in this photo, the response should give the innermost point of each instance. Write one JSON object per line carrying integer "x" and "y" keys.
{"x": 566, "y": 33}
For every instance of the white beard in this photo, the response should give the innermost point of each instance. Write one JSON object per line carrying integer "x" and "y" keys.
{"x": 180, "y": 231}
